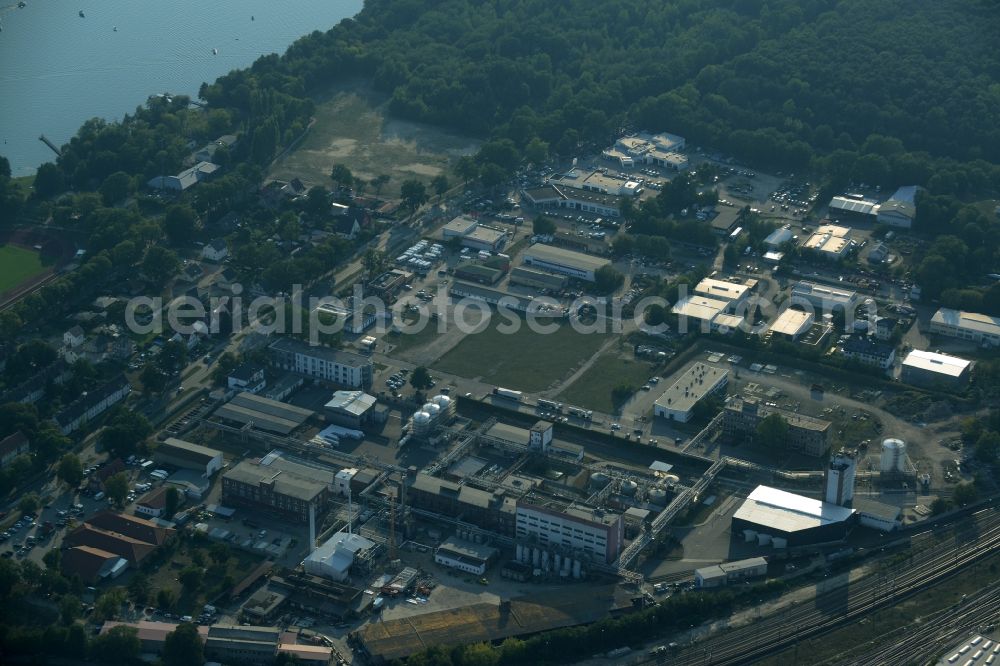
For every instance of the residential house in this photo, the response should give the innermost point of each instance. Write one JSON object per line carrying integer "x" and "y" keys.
{"x": 91, "y": 405}
{"x": 185, "y": 179}
{"x": 869, "y": 351}
{"x": 74, "y": 337}
{"x": 215, "y": 251}
{"x": 12, "y": 446}
{"x": 154, "y": 503}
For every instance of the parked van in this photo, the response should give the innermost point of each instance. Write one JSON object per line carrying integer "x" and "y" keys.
{"x": 99, "y": 496}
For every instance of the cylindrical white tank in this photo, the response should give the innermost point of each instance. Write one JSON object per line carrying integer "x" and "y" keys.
{"x": 520, "y": 553}
{"x": 432, "y": 409}
{"x": 545, "y": 559}
{"x": 749, "y": 535}
{"x": 629, "y": 488}
{"x": 567, "y": 565}
{"x": 576, "y": 568}
{"x": 763, "y": 539}
{"x": 658, "y": 496}
{"x": 599, "y": 480}
{"x": 779, "y": 542}
{"x": 421, "y": 423}
{"x": 558, "y": 562}
{"x": 893, "y": 455}
{"x": 536, "y": 557}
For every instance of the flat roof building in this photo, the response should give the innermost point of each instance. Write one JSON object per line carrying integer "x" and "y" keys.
{"x": 277, "y": 485}
{"x": 830, "y": 242}
{"x": 600, "y": 534}
{"x": 700, "y": 380}
{"x": 558, "y": 260}
{"x": 722, "y": 574}
{"x": 187, "y": 455}
{"x": 877, "y": 515}
{"x": 698, "y": 310}
{"x": 732, "y": 293}
{"x": 806, "y": 434}
{"x": 972, "y": 326}
{"x": 776, "y": 517}
{"x": 824, "y": 299}
{"x": 482, "y": 238}
{"x": 465, "y": 556}
{"x": 925, "y": 368}
{"x": 459, "y": 226}
{"x": 791, "y": 324}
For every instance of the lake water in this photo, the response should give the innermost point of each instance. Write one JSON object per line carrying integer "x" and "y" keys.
{"x": 58, "y": 69}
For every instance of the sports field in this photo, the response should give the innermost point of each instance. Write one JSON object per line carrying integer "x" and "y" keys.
{"x": 525, "y": 360}
{"x": 17, "y": 265}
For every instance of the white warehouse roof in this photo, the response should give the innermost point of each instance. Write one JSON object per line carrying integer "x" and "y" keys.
{"x": 699, "y": 307}
{"x": 352, "y": 402}
{"x": 789, "y": 512}
{"x": 939, "y": 363}
{"x": 721, "y": 289}
{"x": 970, "y": 321}
{"x": 792, "y": 322}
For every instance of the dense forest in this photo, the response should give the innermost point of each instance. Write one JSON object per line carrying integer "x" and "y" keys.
{"x": 864, "y": 91}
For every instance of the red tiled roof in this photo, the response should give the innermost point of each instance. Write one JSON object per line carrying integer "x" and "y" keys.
{"x": 132, "y": 526}
{"x": 133, "y": 550}
{"x": 85, "y": 561}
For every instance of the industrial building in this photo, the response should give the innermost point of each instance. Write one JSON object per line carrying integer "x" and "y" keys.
{"x": 494, "y": 297}
{"x": 459, "y": 227}
{"x": 867, "y": 350}
{"x": 699, "y": 309}
{"x": 247, "y": 409}
{"x": 247, "y": 377}
{"x": 839, "y": 478}
{"x": 775, "y": 517}
{"x": 925, "y": 368}
{"x": 876, "y": 515}
{"x": 853, "y": 207}
{"x": 830, "y": 241}
{"x": 539, "y": 438}
{"x": 700, "y": 380}
{"x": 387, "y": 285}
{"x": 900, "y": 209}
{"x": 492, "y": 622}
{"x": 332, "y": 365}
{"x": 277, "y": 485}
{"x": 558, "y": 260}
{"x": 649, "y": 149}
{"x": 824, "y": 299}
{"x": 779, "y": 237}
{"x": 733, "y": 294}
{"x": 473, "y": 234}
{"x": 719, "y": 575}
{"x": 529, "y": 277}
{"x": 560, "y": 196}
{"x": 807, "y": 435}
{"x": 335, "y": 557}
{"x": 792, "y": 324}
{"x": 598, "y": 533}
{"x": 597, "y": 181}
{"x": 491, "y": 511}
{"x": 187, "y": 455}
{"x": 972, "y": 326}
{"x": 465, "y": 556}
{"x": 352, "y": 409}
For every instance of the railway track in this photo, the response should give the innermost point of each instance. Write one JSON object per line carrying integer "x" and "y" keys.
{"x": 838, "y": 606}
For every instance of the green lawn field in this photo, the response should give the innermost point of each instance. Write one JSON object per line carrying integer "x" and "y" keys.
{"x": 17, "y": 265}
{"x": 525, "y": 360}
{"x": 593, "y": 388}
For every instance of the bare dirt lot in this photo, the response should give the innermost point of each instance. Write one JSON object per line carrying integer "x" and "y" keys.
{"x": 353, "y": 128}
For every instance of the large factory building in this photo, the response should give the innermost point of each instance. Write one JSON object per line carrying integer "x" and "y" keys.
{"x": 775, "y": 517}
{"x": 599, "y": 533}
